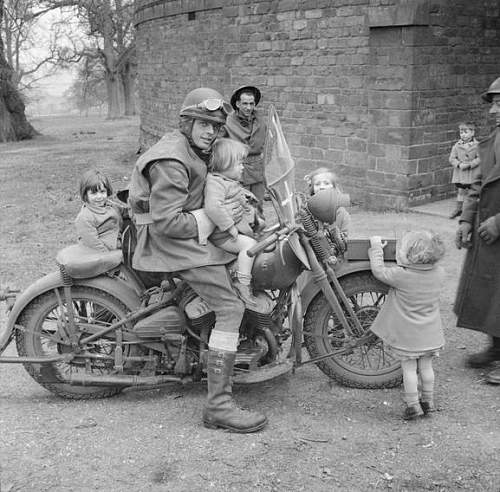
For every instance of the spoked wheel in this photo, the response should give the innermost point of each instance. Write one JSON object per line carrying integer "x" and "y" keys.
{"x": 42, "y": 322}
{"x": 366, "y": 365}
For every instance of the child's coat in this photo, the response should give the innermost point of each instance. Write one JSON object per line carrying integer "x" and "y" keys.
{"x": 409, "y": 319}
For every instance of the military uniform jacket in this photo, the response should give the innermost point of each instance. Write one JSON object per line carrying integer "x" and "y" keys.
{"x": 166, "y": 187}
{"x": 477, "y": 303}
{"x": 253, "y": 134}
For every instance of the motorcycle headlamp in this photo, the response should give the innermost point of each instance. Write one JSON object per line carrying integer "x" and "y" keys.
{"x": 324, "y": 204}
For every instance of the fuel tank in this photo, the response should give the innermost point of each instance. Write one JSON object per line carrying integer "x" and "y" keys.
{"x": 276, "y": 268}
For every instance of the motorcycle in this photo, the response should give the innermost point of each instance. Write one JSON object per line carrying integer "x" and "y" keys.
{"x": 96, "y": 326}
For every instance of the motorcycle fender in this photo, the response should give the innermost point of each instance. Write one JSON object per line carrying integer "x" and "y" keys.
{"x": 309, "y": 288}
{"x": 113, "y": 285}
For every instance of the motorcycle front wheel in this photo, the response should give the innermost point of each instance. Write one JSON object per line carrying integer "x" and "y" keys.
{"x": 366, "y": 365}
{"x": 41, "y": 323}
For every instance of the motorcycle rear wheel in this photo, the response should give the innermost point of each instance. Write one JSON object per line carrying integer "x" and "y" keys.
{"x": 41, "y": 319}
{"x": 364, "y": 366}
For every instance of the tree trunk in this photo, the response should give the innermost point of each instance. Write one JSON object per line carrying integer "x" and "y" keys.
{"x": 109, "y": 58}
{"x": 128, "y": 83}
{"x": 13, "y": 123}
{"x": 113, "y": 92}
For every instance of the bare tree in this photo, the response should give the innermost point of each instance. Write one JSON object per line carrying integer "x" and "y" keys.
{"x": 13, "y": 123}
{"x": 22, "y": 29}
{"x": 88, "y": 91}
{"x": 110, "y": 39}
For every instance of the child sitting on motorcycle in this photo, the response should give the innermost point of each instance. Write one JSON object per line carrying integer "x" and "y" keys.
{"x": 409, "y": 321}
{"x": 323, "y": 179}
{"x": 223, "y": 182}
{"x": 98, "y": 223}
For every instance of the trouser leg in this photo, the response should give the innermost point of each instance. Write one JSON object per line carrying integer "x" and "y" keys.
{"x": 461, "y": 193}
{"x": 213, "y": 284}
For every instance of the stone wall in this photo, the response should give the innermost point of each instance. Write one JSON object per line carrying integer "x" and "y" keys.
{"x": 372, "y": 88}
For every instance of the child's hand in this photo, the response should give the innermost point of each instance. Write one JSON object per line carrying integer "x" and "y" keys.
{"x": 376, "y": 242}
{"x": 464, "y": 165}
{"x": 233, "y": 231}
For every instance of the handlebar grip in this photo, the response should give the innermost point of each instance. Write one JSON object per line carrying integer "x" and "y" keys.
{"x": 262, "y": 245}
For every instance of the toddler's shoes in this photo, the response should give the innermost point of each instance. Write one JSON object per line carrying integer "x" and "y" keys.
{"x": 412, "y": 412}
{"x": 427, "y": 407}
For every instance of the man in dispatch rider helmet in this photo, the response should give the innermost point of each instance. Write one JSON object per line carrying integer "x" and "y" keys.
{"x": 166, "y": 198}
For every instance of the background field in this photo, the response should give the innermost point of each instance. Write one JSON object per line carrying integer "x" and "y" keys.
{"x": 320, "y": 437}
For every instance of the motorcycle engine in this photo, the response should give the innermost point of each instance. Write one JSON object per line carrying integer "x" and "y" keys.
{"x": 168, "y": 323}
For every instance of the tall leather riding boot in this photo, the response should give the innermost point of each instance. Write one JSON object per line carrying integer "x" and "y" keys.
{"x": 221, "y": 411}
{"x": 486, "y": 357}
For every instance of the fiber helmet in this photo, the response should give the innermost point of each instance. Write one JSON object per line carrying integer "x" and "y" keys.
{"x": 205, "y": 104}
{"x": 494, "y": 88}
{"x": 245, "y": 88}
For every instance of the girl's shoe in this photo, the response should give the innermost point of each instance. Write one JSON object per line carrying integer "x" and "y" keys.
{"x": 245, "y": 293}
{"x": 427, "y": 407}
{"x": 413, "y": 411}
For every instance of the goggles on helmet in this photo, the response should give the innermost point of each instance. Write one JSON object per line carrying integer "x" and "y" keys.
{"x": 211, "y": 104}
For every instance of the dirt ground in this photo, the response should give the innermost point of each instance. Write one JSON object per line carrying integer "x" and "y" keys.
{"x": 320, "y": 436}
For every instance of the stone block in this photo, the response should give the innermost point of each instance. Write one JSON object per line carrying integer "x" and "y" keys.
{"x": 356, "y": 144}
{"x": 313, "y": 13}
{"x": 402, "y": 13}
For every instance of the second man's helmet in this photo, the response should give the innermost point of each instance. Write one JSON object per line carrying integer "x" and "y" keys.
{"x": 494, "y": 88}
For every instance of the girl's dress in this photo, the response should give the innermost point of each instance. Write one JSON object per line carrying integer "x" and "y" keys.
{"x": 409, "y": 321}
{"x": 99, "y": 227}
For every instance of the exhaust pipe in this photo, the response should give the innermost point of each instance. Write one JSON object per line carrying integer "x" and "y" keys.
{"x": 123, "y": 380}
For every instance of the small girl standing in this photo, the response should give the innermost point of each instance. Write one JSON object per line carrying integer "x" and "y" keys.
{"x": 323, "y": 179}
{"x": 223, "y": 182}
{"x": 409, "y": 321}
{"x": 464, "y": 158}
{"x": 98, "y": 223}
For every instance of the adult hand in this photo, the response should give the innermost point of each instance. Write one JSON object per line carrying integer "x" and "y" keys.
{"x": 235, "y": 208}
{"x": 462, "y": 237}
{"x": 488, "y": 230}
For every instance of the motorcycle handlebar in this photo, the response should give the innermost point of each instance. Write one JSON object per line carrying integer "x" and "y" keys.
{"x": 261, "y": 245}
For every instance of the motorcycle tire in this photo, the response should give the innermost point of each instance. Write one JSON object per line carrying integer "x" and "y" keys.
{"x": 364, "y": 366}
{"x": 40, "y": 320}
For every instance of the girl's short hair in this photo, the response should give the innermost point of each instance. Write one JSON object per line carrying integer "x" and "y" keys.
{"x": 309, "y": 178}
{"x": 421, "y": 248}
{"x": 226, "y": 153}
{"x": 94, "y": 180}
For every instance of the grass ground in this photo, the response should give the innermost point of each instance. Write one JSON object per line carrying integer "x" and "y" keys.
{"x": 320, "y": 437}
